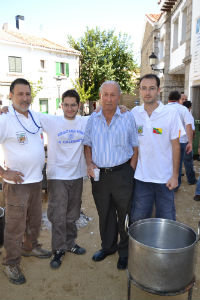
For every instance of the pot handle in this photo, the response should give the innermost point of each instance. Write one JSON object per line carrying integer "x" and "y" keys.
{"x": 126, "y": 223}
{"x": 198, "y": 231}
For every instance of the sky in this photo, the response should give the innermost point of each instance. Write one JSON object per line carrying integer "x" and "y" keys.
{"x": 56, "y": 19}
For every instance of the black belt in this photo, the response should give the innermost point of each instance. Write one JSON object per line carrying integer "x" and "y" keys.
{"x": 112, "y": 169}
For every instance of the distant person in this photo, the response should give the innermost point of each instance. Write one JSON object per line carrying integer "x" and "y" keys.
{"x": 185, "y": 140}
{"x": 183, "y": 98}
{"x": 197, "y": 191}
{"x": 156, "y": 174}
{"x": 111, "y": 145}
{"x": 188, "y": 157}
{"x": 22, "y": 141}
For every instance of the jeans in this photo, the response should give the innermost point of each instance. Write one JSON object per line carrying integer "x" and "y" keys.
{"x": 148, "y": 193}
{"x": 182, "y": 146}
{"x": 197, "y": 191}
{"x": 189, "y": 168}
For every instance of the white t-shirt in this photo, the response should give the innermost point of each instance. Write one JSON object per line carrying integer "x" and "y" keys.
{"x": 23, "y": 151}
{"x": 155, "y": 148}
{"x": 65, "y": 158}
{"x": 192, "y": 121}
{"x": 184, "y": 115}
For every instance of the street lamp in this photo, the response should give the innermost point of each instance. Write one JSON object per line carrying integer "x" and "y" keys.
{"x": 58, "y": 82}
{"x": 152, "y": 61}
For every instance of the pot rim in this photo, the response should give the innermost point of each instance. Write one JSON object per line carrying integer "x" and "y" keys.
{"x": 161, "y": 250}
{"x": 1, "y": 212}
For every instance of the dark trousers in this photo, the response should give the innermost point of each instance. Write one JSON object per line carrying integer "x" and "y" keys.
{"x": 63, "y": 210}
{"x": 112, "y": 195}
{"x": 189, "y": 167}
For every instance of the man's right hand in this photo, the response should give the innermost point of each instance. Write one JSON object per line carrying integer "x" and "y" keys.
{"x": 188, "y": 148}
{"x": 13, "y": 176}
{"x": 90, "y": 170}
{"x": 4, "y": 110}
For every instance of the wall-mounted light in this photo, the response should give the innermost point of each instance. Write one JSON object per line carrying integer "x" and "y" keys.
{"x": 153, "y": 61}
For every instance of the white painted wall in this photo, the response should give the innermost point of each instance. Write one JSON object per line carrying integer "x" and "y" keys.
{"x": 31, "y": 70}
{"x": 178, "y": 53}
{"x": 177, "y": 56}
{"x": 195, "y": 45}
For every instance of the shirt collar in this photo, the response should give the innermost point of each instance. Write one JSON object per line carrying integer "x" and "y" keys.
{"x": 157, "y": 110}
{"x": 172, "y": 102}
{"x": 117, "y": 112}
{"x": 11, "y": 110}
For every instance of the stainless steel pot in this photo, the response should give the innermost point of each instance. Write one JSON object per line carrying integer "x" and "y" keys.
{"x": 162, "y": 254}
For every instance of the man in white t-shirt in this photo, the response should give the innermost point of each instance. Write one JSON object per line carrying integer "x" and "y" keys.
{"x": 188, "y": 157}
{"x": 22, "y": 142}
{"x": 65, "y": 171}
{"x": 156, "y": 173}
{"x": 186, "y": 139}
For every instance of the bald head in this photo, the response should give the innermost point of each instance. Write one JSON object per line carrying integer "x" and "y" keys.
{"x": 110, "y": 96}
{"x": 110, "y": 82}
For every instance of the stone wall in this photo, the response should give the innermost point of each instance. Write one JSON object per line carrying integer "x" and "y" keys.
{"x": 147, "y": 48}
{"x": 129, "y": 100}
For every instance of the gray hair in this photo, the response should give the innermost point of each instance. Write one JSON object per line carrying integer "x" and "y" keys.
{"x": 110, "y": 82}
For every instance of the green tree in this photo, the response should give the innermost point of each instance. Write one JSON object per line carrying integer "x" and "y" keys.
{"x": 80, "y": 88}
{"x": 36, "y": 87}
{"x": 84, "y": 95}
{"x": 105, "y": 56}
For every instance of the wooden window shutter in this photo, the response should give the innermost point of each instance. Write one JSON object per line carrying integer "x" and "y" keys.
{"x": 67, "y": 70}
{"x": 57, "y": 68}
{"x": 15, "y": 64}
{"x": 18, "y": 64}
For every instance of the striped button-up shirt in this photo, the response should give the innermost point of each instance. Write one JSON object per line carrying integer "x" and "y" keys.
{"x": 112, "y": 144}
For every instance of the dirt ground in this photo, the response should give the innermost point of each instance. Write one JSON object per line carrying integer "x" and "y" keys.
{"x": 79, "y": 278}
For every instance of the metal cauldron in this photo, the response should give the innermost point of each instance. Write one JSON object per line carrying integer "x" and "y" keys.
{"x": 162, "y": 254}
{"x": 2, "y": 223}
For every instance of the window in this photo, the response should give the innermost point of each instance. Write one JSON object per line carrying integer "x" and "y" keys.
{"x": 62, "y": 69}
{"x": 15, "y": 64}
{"x": 161, "y": 49}
{"x": 42, "y": 64}
{"x": 44, "y": 107}
{"x": 175, "y": 34}
{"x": 184, "y": 25}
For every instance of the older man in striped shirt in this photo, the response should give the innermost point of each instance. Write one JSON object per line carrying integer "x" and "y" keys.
{"x": 111, "y": 145}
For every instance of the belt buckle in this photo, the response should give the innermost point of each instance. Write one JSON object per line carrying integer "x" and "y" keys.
{"x": 108, "y": 170}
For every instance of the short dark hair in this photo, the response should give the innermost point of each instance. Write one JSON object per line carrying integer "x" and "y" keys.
{"x": 174, "y": 96}
{"x": 151, "y": 76}
{"x": 19, "y": 81}
{"x": 187, "y": 103}
{"x": 71, "y": 93}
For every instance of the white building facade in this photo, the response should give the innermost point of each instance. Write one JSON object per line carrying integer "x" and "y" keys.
{"x": 194, "y": 81}
{"x": 37, "y": 59}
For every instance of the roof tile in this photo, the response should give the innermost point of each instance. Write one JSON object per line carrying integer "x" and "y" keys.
{"x": 31, "y": 40}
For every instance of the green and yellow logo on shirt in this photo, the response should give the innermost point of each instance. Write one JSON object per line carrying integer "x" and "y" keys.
{"x": 157, "y": 130}
{"x": 140, "y": 130}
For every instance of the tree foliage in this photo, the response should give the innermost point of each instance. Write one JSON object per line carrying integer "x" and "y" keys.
{"x": 36, "y": 87}
{"x": 105, "y": 56}
{"x": 80, "y": 88}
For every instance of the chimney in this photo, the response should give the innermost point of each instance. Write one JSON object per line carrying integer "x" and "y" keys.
{"x": 17, "y": 18}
